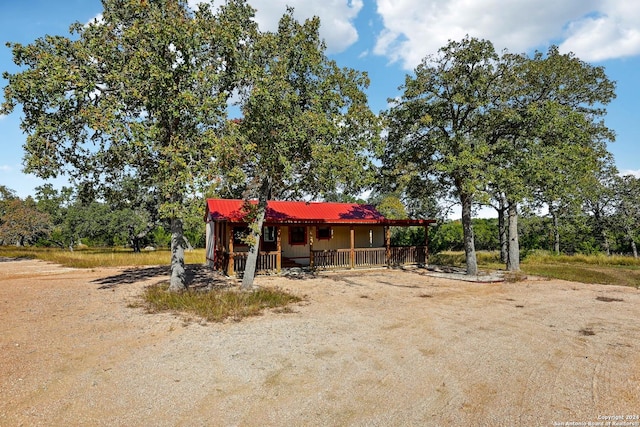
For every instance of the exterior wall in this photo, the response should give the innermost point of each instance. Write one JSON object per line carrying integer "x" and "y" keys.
{"x": 299, "y": 253}
{"x": 341, "y": 238}
{"x": 366, "y": 236}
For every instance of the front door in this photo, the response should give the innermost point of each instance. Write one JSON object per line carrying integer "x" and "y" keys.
{"x": 269, "y": 237}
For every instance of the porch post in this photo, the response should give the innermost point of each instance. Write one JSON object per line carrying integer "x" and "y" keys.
{"x": 426, "y": 245}
{"x": 230, "y": 271}
{"x": 352, "y": 253}
{"x": 387, "y": 244}
{"x": 311, "y": 230}
{"x": 278, "y": 250}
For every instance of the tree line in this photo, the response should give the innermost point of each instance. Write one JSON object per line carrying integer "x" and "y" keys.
{"x": 59, "y": 218}
{"x": 143, "y": 98}
{"x": 62, "y": 218}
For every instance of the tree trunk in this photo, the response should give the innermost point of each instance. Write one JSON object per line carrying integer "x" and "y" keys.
{"x": 256, "y": 233}
{"x": 502, "y": 229}
{"x": 634, "y": 248}
{"x": 513, "y": 259}
{"x": 605, "y": 243}
{"x": 134, "y": 240}
{"x": 556, "y": 232}
{"x": 178, "y": 276}
{"x": 467, "y": 229}
{"x": 601, "y": 232}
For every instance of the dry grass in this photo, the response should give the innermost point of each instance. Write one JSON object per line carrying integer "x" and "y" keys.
{"x": 606, "y": 270}
{"x": 543, "y": 257}
{"x": 218, "y": 305}
{"x": 100, "y": 257}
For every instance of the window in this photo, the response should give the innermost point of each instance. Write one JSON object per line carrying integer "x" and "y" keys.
{"x": 297, "y": 235}
{"x": 324, "y": 233}
{"x": 269, "y": 234}
{"x": 239, "y": 235}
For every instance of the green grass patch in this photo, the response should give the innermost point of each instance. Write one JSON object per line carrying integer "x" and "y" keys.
{"x": 217, "y": 305}
{"x": 100, "y": 257}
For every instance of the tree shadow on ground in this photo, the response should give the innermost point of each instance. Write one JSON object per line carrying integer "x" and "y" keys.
{"x": 197, "y": 277}
{"x": 11, "y": 259}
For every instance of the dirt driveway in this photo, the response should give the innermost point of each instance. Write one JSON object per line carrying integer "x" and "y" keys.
{"x": 366, "y": 348}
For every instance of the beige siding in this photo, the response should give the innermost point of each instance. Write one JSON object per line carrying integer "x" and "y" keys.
{"x": 300, "y": 253}
{"x": 341, "y": 239}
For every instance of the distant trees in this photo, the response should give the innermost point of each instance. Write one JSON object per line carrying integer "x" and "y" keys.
{"x": 20, "y": 223}
{"x": 61, "y": 218}
{"x": 626, "y": 193}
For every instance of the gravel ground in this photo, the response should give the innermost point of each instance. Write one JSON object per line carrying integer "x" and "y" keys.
{"x": 375, "y": 348}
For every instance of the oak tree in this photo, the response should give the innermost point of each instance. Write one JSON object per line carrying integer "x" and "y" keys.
{"x": 306, "y": 129}
{"x": 140, "y": 92}
{"x": 436, "y": 127}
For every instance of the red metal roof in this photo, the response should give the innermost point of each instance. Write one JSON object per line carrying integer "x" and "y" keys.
{"x": 296, "y": 212}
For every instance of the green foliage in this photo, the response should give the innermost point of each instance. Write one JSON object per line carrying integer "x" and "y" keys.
{"x": 626, "y": 193}
{"x": 486, "y": 235}
{"x": 534, "y": 233}
{"x": 306, "y": 126}
{"x": 407, "y": 236}
{"x": 20, "y": 221}
{"x": 160, "y": 237}
{"x": 448, "y": 236}
{"x": 140, "y": 93}
{"x": 391, "y": 207}
{"x": 512, "y": 128}
{"x": 217, "y": 305}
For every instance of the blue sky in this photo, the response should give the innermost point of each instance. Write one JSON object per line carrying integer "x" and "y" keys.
{"x": 387, "y": 39}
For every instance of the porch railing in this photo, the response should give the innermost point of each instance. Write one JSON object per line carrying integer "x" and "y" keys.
{"x": 338, "y": 258}
{"x": 267, "y": 261}
{"x": 402, "y": 255}
{"x": 369, "y": 257}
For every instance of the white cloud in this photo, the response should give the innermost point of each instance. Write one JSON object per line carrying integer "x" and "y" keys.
{"x": 635, "y": 173}
{"x": 336, "y": 17}
{"x": 5, "y": 168}
{"x": 592, "y": 29}
{"x": 612, "y": 33}
{"x": 98, "y": 19}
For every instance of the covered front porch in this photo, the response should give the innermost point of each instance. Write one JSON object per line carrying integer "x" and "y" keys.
{"x": 368, "y": 247}
{"x": 313, "y": 235}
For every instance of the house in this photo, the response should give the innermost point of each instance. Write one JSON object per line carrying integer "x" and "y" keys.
{"x": 319, "y": 235}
